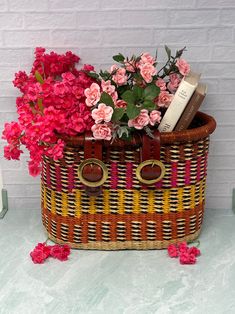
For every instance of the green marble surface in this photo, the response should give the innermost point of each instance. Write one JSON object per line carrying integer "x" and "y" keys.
{"x": 98, "y": 282}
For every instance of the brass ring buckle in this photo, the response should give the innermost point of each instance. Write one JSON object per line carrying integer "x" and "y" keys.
{"x": 93, "y": 161}
{"x": 150, "y": 162}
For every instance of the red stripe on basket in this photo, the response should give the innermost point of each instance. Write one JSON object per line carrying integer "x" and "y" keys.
{"x": 48, "y": 176}
{"x": 174, "y": 174}
{"x": 199, "y": 161}
{"x": 114, "y": 176}
{"x": 70, "y": 179}
{"x": 129, "y": 175}
{"x": 58, "y": 178}
{"x": 187, "y": 171}
{"x": 158, "y": 184}
{"x": 205, "y": 163}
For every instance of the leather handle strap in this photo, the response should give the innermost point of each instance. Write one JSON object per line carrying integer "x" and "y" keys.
{"x": 151, "y": 170}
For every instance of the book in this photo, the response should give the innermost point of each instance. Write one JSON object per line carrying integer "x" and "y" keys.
{"x": 191, "y": 108}
{"x": 183, "y": 94}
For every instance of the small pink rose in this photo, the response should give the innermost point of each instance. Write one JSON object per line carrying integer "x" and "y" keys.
{"x": 102, "y": 113}
{"x": 119, "y": 77}
{"x": 187, "y": 258}
{"x": 121, "y": 104}
{"x": 147, "y": 58}
{"x": 130, "y": 65}
{"x": 147, "y": 71}
{"x": 164, "y": 99}
{"x": 183, "y": 66}
{"x": 194, "y": 250}
{"x": 92, "y": 95}
{"x": 174, "y": 82}
{"x": 140, "y": 121}
{"x": 161, "y": 84}
{"x": 107, "y": 87}
{"x": 183, "y": 247}
{"x": 155, "y": 117}
{"x": 101, "y": 132}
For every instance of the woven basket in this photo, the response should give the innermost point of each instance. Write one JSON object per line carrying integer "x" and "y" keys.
{"x": 128, "y": 214}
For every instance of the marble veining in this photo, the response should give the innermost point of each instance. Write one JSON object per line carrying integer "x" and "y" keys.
{"x": 119, "y": 282}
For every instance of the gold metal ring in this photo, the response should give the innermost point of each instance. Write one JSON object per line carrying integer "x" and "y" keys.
{"x": 93, "y": 161}
{"x": 150, "y": 162}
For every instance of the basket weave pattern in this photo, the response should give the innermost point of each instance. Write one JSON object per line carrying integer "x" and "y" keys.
{"x": 128, "y": 214}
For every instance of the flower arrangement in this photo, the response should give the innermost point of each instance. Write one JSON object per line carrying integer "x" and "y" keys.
{"x": 52, "y": 102}
{"x": 57, "y": 98}
{"x": 133, "y": 96}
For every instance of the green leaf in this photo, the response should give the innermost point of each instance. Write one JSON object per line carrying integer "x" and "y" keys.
{"x": 119, "y": 58}
{"x": 151, "y": 92}
{"x": 168, "y": 51}
{"x": 118, "y": 114}
{"x": 138, "y": 92}
{"x": 132, "y": 111}
{"x": 40, "y": 105}
{"x": 93, "y": 75}
{"x": 106, "y": 99}
{"x": 39, "y": 77}
{"x": 149, "y": 105}
{"x": 129, "y": 97}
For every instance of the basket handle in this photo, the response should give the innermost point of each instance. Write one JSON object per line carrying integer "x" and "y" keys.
{"x": 92, "y": 172}
{"x": 151, "y": 169}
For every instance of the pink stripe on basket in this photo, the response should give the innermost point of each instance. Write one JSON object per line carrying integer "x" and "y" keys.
{"x": 58, "y": 178}
{"x": 70, "y": 178}
{"x": 205, "y": 163}
{"x": 48, "y": 176}
{"x": 114, "y": 176}
{"x": 187, "y": 172}
{"x": 129, "y": 175}
{"x": 199, "y": 161}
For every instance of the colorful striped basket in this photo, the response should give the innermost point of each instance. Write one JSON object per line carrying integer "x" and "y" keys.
{"x": 128, "y": 214}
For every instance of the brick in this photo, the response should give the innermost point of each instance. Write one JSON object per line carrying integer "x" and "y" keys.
{"x": 136, "y": 18}
{"x": 29, "y": 203}
{"x": 221, "y": 162}
{"x": 28, "y": 5}
{"x": 218, "y": 189}
{"x": 222, "y": 147}
{"x": 10, "y": 164}
{"x": 3, "y": 5}
{"x": 170, "y": 4}
{"x": 193, "y": 17}
{"x": 218, "y": 35}
{"x": 219, "y": 101}
{"x": 8, "y": 104}
{"x": 180, "y": 36}
{"x": 223, "y": 117}
{"x": 26, "y": 38}
{"x": 215, "y": 4}
{"x": 225, "y": 70}
{"x": 122, "y": 4}
{"x": 18, "y": 177}
{"x": 82, "y": 38}
{"x": 45, "y": 21}
{"x": 99, "y": 55}
{"x": 227, "y": 86}
{"x": 73, "y": 5}
{"x": 15, "y": 190}
{"x": 228, "y": 17}
{"x": 7, "y": 89}
{"x": 95, "y": 19}
{"x": 224, "y": 54}
{"x": 213, "y": 85}
{"x": 198, "y": 54}
{"x": 117, "y": 37}
{"x": 11, "y": 21}
{"x": 14, "y": 57}
{"x": 221, "y": 175}
{"x": 219, "y": 202}
{"x": 227, "y": 132}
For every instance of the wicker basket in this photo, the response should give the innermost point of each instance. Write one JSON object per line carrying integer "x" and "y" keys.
{"x": 128, "y": 214}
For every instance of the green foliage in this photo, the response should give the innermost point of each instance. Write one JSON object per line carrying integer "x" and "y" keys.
{"x": 119, "y": 58}
{"x": 132, "y": 111}
{"x": 151, "y": 92}
{"x": 118, "y": 114}
{"x": 38, "y": 77}
{"x": 106, "y": 99}
{"x": 128, "y": 96}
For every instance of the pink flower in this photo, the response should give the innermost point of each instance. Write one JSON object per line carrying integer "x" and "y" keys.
{"x": 164, "y": 99}
{"x": 119, "y": 76}
{"x": 102, "y": 113}
{"x": 110, "y": 89}
{"x": 194, "y": 250}
{"x": 147, "y": 58}
{"x": 147, "y": 71}
{"x": 187, "y": 258}
{"x": 11, "y": 152}
{"x": 34, "y": 168}
{"x": 183, "y": 247}
{"x": 130, "y": 65}
{"x": 172, "y": 250}
{"x": 61, "y": 252}
{"x": 155, "y": 117}
{"x": 40, "y": 253}
{"x": 161, "y": 84}
{"x": 174, "y": 82}
{"x": 183, "y": 66}
{"x": 92, "y": 94}
{"x": 140, "y": 121}
{"x": 101, "y": 132}
{"x": 56, "y": 151}
{"x": 120, "y": 104}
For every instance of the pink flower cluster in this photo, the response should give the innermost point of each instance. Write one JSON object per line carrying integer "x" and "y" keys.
{"x": 186, "y": 254}
{"x": 42, "y": 251}
{"x": 52, "y": 103}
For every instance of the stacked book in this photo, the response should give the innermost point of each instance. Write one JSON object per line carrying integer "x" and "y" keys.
{"x": 185, "y": 104}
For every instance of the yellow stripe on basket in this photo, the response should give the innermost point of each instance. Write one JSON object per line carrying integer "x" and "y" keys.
{"x": 78, "y": 203}
{"x": 192, "y": 196}
{"x": 166, "y": 203}
{"x": 136, "y": 202}
{"x": 180, "y": 192}
{"x": 151, "y": 198}
{"x": 121, "y": 199}
{"x": 92, "y": 209}
{"x": 106, "y": 201}
{"x": 64, "y": 207}
{"x": 53, "y": 204}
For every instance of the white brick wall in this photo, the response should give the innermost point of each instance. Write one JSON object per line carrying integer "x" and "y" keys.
{"x": 96, "y": 29}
